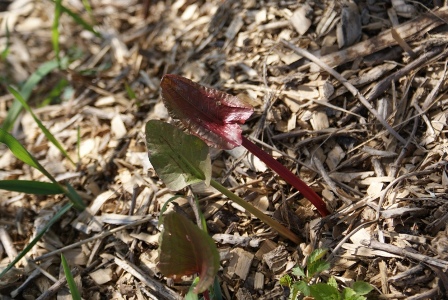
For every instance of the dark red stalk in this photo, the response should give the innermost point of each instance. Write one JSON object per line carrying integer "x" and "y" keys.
{"x": 287, "y": 175}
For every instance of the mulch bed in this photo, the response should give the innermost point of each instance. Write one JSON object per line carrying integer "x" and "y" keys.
{"x": 369, "y": 135}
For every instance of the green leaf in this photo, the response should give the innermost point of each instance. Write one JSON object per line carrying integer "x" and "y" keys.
{"x": 316, "y": 255}
{"x": 332, "y": 282}
{"x": 31, "y": 187}
{"x": 299, "y": 272}
{"x": 349, "y": 294}
{"x": 186, "y": 250}
{"x": 323, "y": 291}
{"x": 191, "y": 295}
{"x": 44, "y": 129}
{"x": 78, "y": 143}
{"x": 362, "y": 288}
{"x": 60, "y": 91}
{"x": 55, "y": 28}
{"x": 129, "y": 91}
{"x": 27, "y": 89}
{"x": 293, "y": 293}
{"x": 70, "y": 280}
{"x": 302, "y": 287}
{"x": 75, "y": 198}
{"x": 215, "y": 290}
{"x": 317, "y": 267}
{"x": 285, "y": 280}
{"x": 27, "y": 249}
{"x": 80, "y": 21}
{"x": 87, "y": 7}
{"x": 201, "y": 215}
{"x": 21, "y": 153}
{"x": 178, "y": 158}
{"x": 4, "y": 54}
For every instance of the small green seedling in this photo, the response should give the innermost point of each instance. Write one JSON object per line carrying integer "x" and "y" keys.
{"x": 305, "y": 286}
{"x": 181, "y": 159}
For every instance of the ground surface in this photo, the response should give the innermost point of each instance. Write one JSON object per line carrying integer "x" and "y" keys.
{"x": 386, "y": 187}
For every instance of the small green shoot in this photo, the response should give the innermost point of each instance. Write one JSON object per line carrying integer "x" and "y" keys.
{"x": 191, "y": 295}
{"x": 58, "y": 93}
{"x": 80, "y": 21}
{"x": 4, "y": 54}
{"x": 165, "y": 207}
{"x": 21, "y": 153}
{"x": 78, "y": 143}
{"x": 35, "y": 187}
{"x": 129, "y": 91}
{"x": 27, "y": 89}
{"x": 44, "y": 129}
{"x": 70, "y": 280}
{"x": 305, "y": 286}
{"x": 55, "y": 28}
{"x": 88, "y": 8}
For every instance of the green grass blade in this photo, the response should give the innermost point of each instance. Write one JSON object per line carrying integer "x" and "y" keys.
{"x": 27, "y": 249}
{"x": 78, "y": 143}
{"x": 75, "y": 198}
{"x": 55, "y": 28}
{"x": 27, "y": 88}
{"x": 57, "y": 94}
{"x": 70, "y": 280}
{"x": 80, "y": 21}
{"x": 31, "y": 187}
{"x": 87, "y": 7}
{"x": 130, "y": 91}
{"x": 21, "y": 153}
{"x": 201, "y": 215}
{"x": 5, "y": 51}
{"x": 164, "y": 208}
{"x": 44, "y": 129}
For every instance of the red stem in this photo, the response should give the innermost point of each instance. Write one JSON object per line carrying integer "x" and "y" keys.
{"x": 288, "y": 176}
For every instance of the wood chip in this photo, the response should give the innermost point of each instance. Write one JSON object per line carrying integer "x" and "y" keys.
{"x": 101, "y": 276}
{"x": 276, "y": 259}
{"x": 299, "y": 18}
{"x": 239, "y": 263}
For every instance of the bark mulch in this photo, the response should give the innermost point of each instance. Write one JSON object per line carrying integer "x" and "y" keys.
{"x": 351, "y": 96}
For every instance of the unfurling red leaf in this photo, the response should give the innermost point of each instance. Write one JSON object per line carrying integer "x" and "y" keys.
{"x": 185, "y": 250}
{"x": 208, "y": 113}
{"x": 179, "y": 159}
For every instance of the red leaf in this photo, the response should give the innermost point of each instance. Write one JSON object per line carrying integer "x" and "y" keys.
{"x": 208, "y": 113}
{"x": 185, "y": 250}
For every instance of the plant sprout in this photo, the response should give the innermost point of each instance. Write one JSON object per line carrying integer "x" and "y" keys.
{"x": 214, "y": 116}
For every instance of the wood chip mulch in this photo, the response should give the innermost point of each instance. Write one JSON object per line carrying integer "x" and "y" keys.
{"x": 350, "y": 95}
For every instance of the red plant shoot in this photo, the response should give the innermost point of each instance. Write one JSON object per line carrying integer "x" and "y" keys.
{"x": 214, "y": 116}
